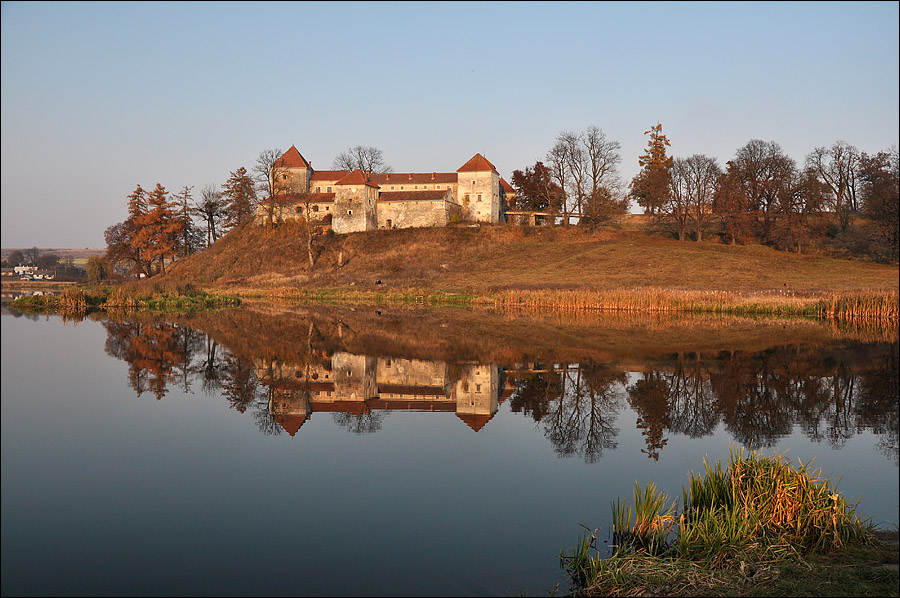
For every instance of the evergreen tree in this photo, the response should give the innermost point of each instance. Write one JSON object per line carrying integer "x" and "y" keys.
{"x": 240, "y": 198}
{"x": 653, "y": 184}
{"x": 190, "y": 238}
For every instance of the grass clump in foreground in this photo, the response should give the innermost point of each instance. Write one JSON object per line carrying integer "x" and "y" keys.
{"x": 757, "y": 528}
{"x": 157, "y": 297}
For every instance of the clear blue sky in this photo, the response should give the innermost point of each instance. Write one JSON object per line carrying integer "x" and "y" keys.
{"x": 98, "y": 97}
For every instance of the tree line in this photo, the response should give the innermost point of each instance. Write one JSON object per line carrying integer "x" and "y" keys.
{"x": 761, "y": 195}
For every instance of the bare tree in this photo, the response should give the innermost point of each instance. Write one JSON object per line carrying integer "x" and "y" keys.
{"x": 798, "y": 211}
{"x": 268, "y": 170}
{"x": 585, "y": 166}
{"x": 676, "y": 212}
{"x": 697, "y": 177}
{"x": 837, "y": 167}
{"x": 880, "y": 189}
{"x": 559, "y": 171}
{"x": 605, "y": 197}
{"x": 212, "y": 208}
{"x": 364, "y": 157}
{"x": 764, "y": 173}
{"x": 31, "y": 255}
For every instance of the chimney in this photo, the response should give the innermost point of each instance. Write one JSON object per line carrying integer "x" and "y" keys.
{"x": 432, "y": 175}
{"x": 410, "y": 176}
{"x": 387, "y": 176}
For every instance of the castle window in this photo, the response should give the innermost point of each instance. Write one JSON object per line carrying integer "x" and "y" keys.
{"x": 389, "y": 226}
{"x": 437, "y": 186}
{"x": 284, "y": 177}
{"x": 318, "y": 189}
{"x": 315, "y": 208}
{"x": 327, "y": 208}
{"x": 392, "y": 187}
{"x": 479, "y": 197}
{"x": 349, "y": 212}
{"x": 299, "y": 210}
{"x": 328, "y": 189}
{"x": 416, "y": 187}
{"x": 401, "y": 187}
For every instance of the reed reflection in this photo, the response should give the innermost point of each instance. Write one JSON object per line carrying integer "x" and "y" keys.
{"x": 829, "y": 393}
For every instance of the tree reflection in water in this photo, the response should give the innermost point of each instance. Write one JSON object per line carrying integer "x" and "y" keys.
{"x": 828, "y": 393}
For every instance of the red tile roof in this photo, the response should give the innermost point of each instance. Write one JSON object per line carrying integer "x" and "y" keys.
{"x": 329, "y": 175}
{"x": 436, "y": 195}
{"x": 352, "y": 407}
{"x": 506, "y": 186}
{"x": 357, "y": 177}
{"x": 478, "y": 163}
{"x": 292, "y": 159}
{"x": 291, "y": 423}
{"x": 476, "y": 422}
{"x": 413, "y": 178}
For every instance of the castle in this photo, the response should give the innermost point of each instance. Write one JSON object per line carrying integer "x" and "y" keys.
{"x": 357, "y": 384}
{"x": 353, "y": 201}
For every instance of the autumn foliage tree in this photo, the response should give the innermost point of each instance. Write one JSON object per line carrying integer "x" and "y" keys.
{"x": 150, "y": 233}
{"x": 536, "y": 191}
{"x": 159, "y": 228}
{"x": 651, "y": 187}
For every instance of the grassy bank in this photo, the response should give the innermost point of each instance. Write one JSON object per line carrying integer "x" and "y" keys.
{"x": 622, "y": 267}
{"x": 758, "y": 527}
{"x": 156, "y": 296}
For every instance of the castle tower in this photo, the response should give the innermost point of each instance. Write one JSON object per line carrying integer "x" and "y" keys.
{"x": 354, "y": 203}
{"x": 477, "y": 393}
{"x": 478, "y": 189}
{"x": 292, "y": 172}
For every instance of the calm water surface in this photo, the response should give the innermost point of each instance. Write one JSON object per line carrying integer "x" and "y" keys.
{"x": 212, "y": 457}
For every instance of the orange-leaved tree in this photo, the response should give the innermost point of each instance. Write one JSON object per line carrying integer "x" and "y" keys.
{"x": 158, "y": 229}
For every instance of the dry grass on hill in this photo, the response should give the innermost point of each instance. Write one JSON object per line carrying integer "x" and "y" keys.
{"x": 491, "y": 258}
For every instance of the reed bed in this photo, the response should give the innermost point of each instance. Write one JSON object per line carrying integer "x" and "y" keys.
{"x": 364, "y": 297}
{"x": 158, "y": 297}
{"x": 858, "y": 305}
{"x": 755, "y": 512}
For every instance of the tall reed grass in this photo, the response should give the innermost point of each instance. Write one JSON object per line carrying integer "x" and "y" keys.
{"x": 128, "y": 297}
{"x": 755, "y": 510}
{"x": 859, "y": 305}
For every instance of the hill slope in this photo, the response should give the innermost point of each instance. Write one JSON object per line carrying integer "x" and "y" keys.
{"x": 488, "y": 258}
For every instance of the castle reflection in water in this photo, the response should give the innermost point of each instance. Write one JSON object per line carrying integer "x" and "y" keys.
{"x": 359, "y": 384}
{"x": 828, "y": 392}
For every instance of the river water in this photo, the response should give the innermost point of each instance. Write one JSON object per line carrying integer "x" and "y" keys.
{"x": 364, "y": 451}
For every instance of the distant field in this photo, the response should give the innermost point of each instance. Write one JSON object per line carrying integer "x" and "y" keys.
{"x": 79, "y": 255}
